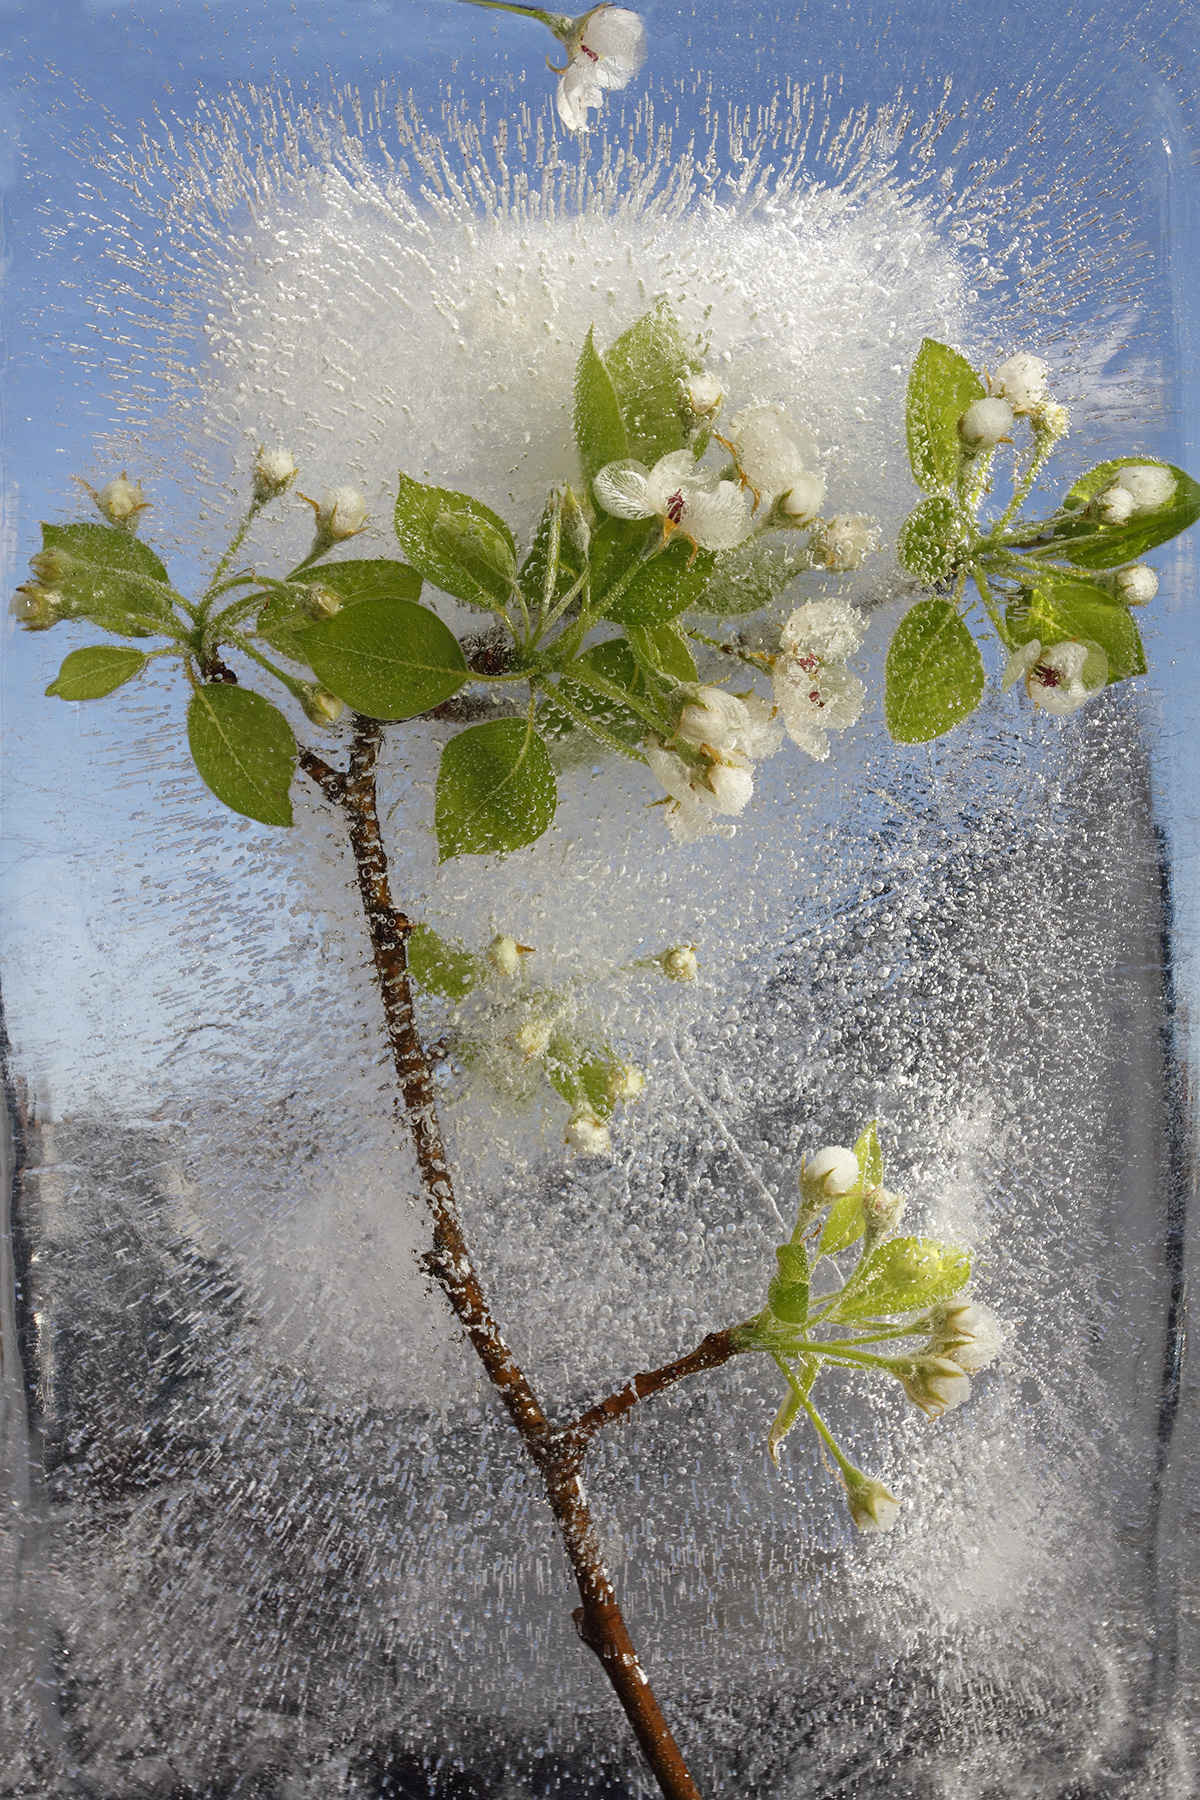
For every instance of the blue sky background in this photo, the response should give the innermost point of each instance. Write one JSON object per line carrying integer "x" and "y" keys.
{"x": 1104, "y": 96}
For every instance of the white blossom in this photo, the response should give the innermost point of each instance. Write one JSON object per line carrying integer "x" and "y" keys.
{"x": 605, "y": 48}
{"x": 625, "y": 1083}
{"x": 504, "y": 954}
{"x": 341, "y": 514}
{"x": 1115, "y": 505}
{"x": 533, "y": 1038}
{"x": 1137, "y": 585}
{"x": 1022, "y": 381}
{"x": 872, "y": 1507}
{"x": 933, "y": 1383}
{"x": 724, "y": 723}
{"x": 803, "y": 499}
{"x": 965, "y": 1333}
{"x": 774, "y": 454}
{"x": 700, "y": 793}
{"x": 814, "y": 692}
{"x": 685, "y": 497}
{"x": 985, "y": 422}
{"x": 1151, "y": 485}
{"x": 849, "y": 538}
{"x": 1060, "y": 678}
{"x": 274, "y": 473}
{"x": 831, "y": 1172}
{"x": 587, "y": 1136}
{"x": 701, "y": 396}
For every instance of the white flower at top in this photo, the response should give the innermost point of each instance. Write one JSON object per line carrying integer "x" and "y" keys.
{"x": 701, "y": 396}
{"x": 712, "y": 514}
{"x": 831, "y": 1172}
{"x": 985, "y": 423}
{"x": 814, "y": 692}
{"x": 605, "y": 49}
{"x": 1060, "y": 678}
{"x": 341, "y": 513}
{"x": 274, "y": 473}
{"x": 776, "y": 456}
{"x": 1022, "y": 381}
{"x": 120, "y": 501}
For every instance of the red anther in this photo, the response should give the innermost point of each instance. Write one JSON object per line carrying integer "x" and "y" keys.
{"x": 675, "y": 508}
{"x": 1048, "y": 677}
{"x": 591, "y": 53}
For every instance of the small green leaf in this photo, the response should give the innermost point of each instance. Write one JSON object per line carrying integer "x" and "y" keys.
{"x": 870, "y": 1156}
{"x": 457, "y": 543}
{"x": 930, "y": 539}
{"x": 558, "y": 545}
{"x": 934, "y": 675}
{"x": 245, "y": 752}
{"x": 1063, "y": 606}
{"x": 647, "y": 363}
{"x": 92, "y": 673}
{"x": 389, "y": 659}
{"x": 1090, "y": 544}
{"x": 495, "y": 790}
{"x": 787, "y": 1295}
{"x": 792, "y": 1407}
{"x": 941, "y": 387}
{"x": 108, "y": 576}
{"x": 662, "y": 587}
{"x": 748, "y": 578}
{"x": 903, "y": 1275}
{"x": 599, "y": 428}
{"x": 440, "y": 969}
{"x": 664, "y": 649}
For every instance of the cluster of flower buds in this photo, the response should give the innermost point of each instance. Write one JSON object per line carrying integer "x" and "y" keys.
{"x": 964, "y": 1338}
{"x": 707, "y": 766}
{"x": 1142, "y": 488}
{"x": 814, "y": 691}
{"x": 1018, "y": 389}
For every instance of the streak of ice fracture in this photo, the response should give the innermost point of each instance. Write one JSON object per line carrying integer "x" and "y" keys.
{"x": 292, "y": 1548}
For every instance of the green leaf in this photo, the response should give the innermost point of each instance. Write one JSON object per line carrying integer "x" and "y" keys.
{"x": 108, "y": 576}
{"x": 662, "y": 587}
{"x": 369, "y": 578}
{"x": 440, "y": 969}
{"x": 903, "y": 1275}
{"x": 934, "y": 674}
{"x": 870, "y": 1156}
{"x": 748, "y": 578}
{"x": 787, "y": 1295}
{"x": 941, "y": 387}
{"x": 495, "y": 790}
{"x": 389, "y": 659}
{"x": 1089, "y": 544}
{"x": 614, "y": 660}
{"x": 647, "y": 363}
{"x": 1065, "y": 606}
{"x": 457, "y": 543}
{"x": 578, "y": 1072}
{"x": 665, "y": 649}
{"x": 599, "y": 427}
{"x": 244, "y": 749}
{"x": 558, "y": 544}
{"x": 92, "y": 673}
{"x": 929, "y": 540}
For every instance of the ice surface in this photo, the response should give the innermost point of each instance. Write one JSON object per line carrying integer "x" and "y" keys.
{"x": 287, "y": 1545}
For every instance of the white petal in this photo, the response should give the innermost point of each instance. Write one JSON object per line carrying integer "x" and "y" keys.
{"x": 616, "y": 37}
{"x": 674, "y": 774}
{"x": 670, "y": 476}
{"x": 578, "y": 89}
{"x": 1020, "y": 663}
{"x": 772, "y": 449}
{"x": 622, "y": 488}
{"x": 828, "y": 629}
{"x": 764, "y": 735}
{"x": 718, "y": 518}
{"x": 730, "y": 788}
{"x": 715, "y": 718}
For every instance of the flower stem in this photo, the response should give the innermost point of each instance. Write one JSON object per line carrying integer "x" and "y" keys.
{"x": 559, "y": 23}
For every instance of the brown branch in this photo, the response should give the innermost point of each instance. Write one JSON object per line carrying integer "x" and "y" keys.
{"x": 710, "y": 1353}
{"x": 558, "y": 1457}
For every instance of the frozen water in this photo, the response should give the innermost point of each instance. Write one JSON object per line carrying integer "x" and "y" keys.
{"x": 281, "y": 1542}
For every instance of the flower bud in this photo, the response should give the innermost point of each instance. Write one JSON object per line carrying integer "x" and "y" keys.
{"x": 933, "y": 1383}
{"x": 730, "y": 787}
{"x": 533, "y": 1039}
{"x": 832, "y": 1172}
{"x": 587, "y": 1136}
{"x": 804, "y": 497}
{"x": 341, "y": 513}
{"x": 1021, "y": 381}
{"x": 50, "y": 566}
{"x": 321, "y": 602}
{"x": 504, "y": 954}
{"x": 963, "y": 1333}
{"x": 701, "y": 396}
{"x": 848, "y": 538}
{"x": 121, "y": 501}
{"x": 882, "y": 1212}
{"x": 322, "y": 707}
{"x": 871, "y": 1506}
{"x": 679, "y": 963}
{"x": 625, "y": 1083}
{"x": 1137, "y": 585}
{"x": 985, "y": 422}
{"x": 1051, "y": 420}
{"x": 274, "y": 473}
{"x": 1151, "y": 486}
{"x": 1115, "y": 505}
{"x": 35, "y": 607}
